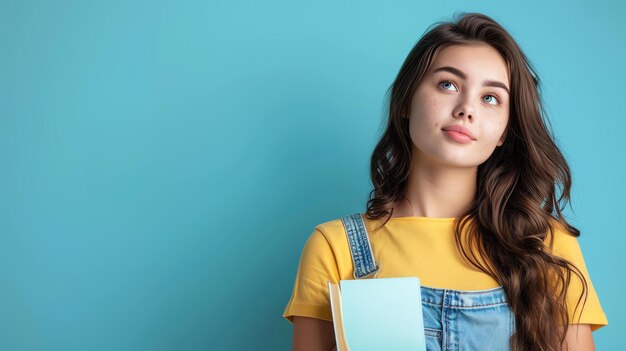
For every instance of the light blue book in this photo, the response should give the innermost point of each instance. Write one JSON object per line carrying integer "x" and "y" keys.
{"x": 378, "y": 314}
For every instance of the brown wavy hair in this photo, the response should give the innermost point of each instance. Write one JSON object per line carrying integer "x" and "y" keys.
{"x": 516, "y": 203}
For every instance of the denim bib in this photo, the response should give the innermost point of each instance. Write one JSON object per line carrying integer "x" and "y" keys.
{"x": 454, "y": 320}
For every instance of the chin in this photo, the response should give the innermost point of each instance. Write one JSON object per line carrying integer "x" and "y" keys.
{"x": 459, "y": 161}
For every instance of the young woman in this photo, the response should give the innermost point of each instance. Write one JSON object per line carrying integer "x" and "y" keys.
{"x": 465, "y": 197}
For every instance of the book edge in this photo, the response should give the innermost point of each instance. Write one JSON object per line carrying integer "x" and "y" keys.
{"x": 337, "y": 313}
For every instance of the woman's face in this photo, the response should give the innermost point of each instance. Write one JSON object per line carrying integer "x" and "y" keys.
{"x": 467, "y": 85}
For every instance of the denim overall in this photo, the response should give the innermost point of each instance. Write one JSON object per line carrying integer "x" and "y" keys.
{"x": 454, "y": 320}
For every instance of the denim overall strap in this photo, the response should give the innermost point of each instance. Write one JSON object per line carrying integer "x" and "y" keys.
{"x": 362, "y": 257}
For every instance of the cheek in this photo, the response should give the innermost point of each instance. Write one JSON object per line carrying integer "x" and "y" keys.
{"x": 427, "y": 117}
{"x": 501, "y": 123}
{"x": 496, "y": 129}
{"x": 427, "y": 108}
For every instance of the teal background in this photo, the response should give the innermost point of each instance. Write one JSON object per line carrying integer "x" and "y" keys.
{"x": 164, "y": 162}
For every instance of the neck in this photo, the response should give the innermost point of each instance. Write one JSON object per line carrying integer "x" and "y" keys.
{"x": 437, "y": 190}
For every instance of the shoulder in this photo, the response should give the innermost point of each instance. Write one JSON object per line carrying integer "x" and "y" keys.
{"x": 332, "y": 227}
{"x": 566, "y": 246}
{"x": 561, "y": 240}
{"x": 332, "y": 231}
{"x": 327, "y": 252}
{"x": 335, "y": 233}
{"x": 327, "y": 239}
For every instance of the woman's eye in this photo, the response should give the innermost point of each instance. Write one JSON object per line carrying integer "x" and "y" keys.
{"x": 492, "y": 101}
{"x": 446, "y": 84}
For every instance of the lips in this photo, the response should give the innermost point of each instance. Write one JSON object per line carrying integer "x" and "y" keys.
{"x": 460, "y": 129}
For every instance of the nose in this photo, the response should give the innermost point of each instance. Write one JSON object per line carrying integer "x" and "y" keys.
{"x": 464, "y": 109}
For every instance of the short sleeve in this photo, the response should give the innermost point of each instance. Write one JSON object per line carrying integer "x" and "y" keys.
{"x": 567, "y": 247}
{"x": 310, "y": 292}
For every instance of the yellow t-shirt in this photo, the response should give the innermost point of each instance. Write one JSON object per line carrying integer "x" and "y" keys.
{"x": 415, "y": 246}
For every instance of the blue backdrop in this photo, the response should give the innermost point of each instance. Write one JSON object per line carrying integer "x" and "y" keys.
{"x": 164, "y": 162}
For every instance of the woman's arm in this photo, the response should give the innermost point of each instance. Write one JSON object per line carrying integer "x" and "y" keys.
{"x": 578, "y": 338}
{"x": 312, "y": 334}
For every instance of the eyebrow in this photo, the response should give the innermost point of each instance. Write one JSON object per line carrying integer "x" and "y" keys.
{"x": 487, "y": 83}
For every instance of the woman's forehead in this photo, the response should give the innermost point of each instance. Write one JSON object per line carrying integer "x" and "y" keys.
{"x": 477, "y": 61}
